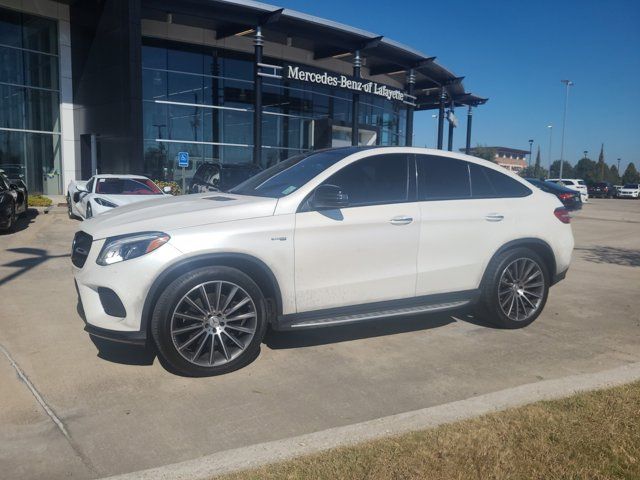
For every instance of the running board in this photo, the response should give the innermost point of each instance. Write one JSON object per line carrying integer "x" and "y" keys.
{"x": 395, "y": 312}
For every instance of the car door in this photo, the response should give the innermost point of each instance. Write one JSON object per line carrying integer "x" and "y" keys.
{"x": 464, "y": 221}
{"x": 366, "y": 252}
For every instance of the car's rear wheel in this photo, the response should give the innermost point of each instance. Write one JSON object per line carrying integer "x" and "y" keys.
{"x": 515, "y": 289}
{"x": 209, "y": 321}
{"x": 11, "y": 225}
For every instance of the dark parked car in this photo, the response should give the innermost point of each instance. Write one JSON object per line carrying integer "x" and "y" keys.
{"x": 569, "y": 198}
{"x": 218, "y": 177}
{"x": 14, "y": 200}
{"x": 601, "y": 190}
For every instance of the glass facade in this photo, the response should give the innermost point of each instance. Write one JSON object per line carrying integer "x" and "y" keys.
{"x": 30, "y": 98}
{"x": 200, "y": 100}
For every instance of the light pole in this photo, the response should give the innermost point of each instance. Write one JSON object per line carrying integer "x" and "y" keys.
{"x": 567, "y": 83}
{"x": 530, "y": 150}
{"x": 585, "y": 153}
{"x": 619, "y": 169}
{"x": 550, "y": 127}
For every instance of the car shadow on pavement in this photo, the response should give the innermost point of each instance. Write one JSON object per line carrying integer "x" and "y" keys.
{"x": 356, "y": 331}
{"x": 22, "y": 222}
{"x": 616, "y": 256}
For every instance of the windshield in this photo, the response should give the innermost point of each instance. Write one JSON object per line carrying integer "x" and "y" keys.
{"x": 127, "y": 186}
{"x": 633, "y": 186}
{"x": 234, "y": 176}
{"x": 289, "y": 175}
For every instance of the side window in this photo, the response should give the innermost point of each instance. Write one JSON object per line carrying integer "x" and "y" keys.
{"x": 442, "y": 178}
{"x": 481, "y": 187}
{"x": 374, "y": 180}
{"x": 506, "y": 186}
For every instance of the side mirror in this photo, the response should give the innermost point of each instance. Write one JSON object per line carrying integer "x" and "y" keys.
{"x": 166, "y": 189}
{"x": 329, "y": 197}
{"x": 81, "y": 188}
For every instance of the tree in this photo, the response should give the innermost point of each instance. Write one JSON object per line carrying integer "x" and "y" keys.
{"x": 487, "y": 153}
{"x": 631, "y": 175}
{"x": 567, "y": 170}
{"x": 586, "y": 169}
{"x": 613, "y": 176}
{"x": 601, "y": 165}
{"x": 536, "y": 168}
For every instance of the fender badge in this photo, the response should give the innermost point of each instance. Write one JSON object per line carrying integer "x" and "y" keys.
{"x": 281, "y": 239}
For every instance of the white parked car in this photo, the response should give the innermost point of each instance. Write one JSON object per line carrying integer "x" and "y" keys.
{"x": 630, "y": 190}
{"x": 101, "y": 193}
{"x": 326, "y": 238}
{"x": 576, "y": 184}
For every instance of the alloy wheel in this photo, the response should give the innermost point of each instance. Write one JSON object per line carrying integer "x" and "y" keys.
{"x": 213, "y": 323}
{"x": 521, "y": 289}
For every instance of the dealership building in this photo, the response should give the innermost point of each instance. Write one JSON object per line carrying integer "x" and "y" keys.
{"x": 123, "y": 86}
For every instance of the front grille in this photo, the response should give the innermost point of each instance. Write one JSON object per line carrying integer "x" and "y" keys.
{"x": 80, "y": 248}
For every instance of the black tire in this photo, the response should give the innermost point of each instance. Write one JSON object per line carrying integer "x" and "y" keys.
{"x": 489, "y": 308}
{"x": 168, "y": 303}
{"x": 89, "y": 211}
{"x": 12, "y": 219}
{"x": 69, "y": 210}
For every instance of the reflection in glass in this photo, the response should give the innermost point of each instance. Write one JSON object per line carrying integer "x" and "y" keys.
{"x": 30, "y": 101}
{"x": 202, "y": 98}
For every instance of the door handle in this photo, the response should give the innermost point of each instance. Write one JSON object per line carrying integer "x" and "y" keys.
{"x": 401, "y": 220}
{"x": 494, "y": 217}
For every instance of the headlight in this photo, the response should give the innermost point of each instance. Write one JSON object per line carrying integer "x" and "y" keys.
{"x": 119, "y": 249}
{"x": 104, "y": 203}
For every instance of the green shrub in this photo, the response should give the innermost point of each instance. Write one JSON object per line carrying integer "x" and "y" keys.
{"x": 39, "y": 201}
{"x": 175, "y": 188}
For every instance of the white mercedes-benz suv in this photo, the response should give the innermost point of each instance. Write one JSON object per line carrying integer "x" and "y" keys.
{"x": 325, "y": 238}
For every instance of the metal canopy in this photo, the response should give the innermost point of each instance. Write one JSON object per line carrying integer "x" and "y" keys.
{"x": 325, "y": 38}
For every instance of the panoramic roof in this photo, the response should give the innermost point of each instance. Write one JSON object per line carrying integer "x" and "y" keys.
{"x": 325, "y": 38}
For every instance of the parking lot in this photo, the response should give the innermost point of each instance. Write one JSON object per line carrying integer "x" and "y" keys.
{"x": 123, "y": 411}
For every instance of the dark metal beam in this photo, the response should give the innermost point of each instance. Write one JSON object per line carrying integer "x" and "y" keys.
{"x": 411, "y": 80}
{"x": 328, "y": 52}
{"x": 236, "y": 28}
{"x": 355, "y": 104}
{"x": 231, "y": 30}
{"x": 443, "y": 98}
{"x": 469, "y": 119}
{"x": 394, "y": 67}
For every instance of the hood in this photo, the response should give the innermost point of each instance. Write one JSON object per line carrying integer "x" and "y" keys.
{"x": 126, "y": 199}
{"x": 169, "y": 213}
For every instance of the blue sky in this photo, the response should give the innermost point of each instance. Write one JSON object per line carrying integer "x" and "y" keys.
{"x": 516, "y": 53}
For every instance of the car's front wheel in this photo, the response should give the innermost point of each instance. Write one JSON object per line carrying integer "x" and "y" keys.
{"x": 515, "y": 289}
{"x": 209, "y": 321}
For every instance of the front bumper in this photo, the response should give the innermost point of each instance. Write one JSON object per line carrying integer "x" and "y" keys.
{"x": 127, "y": 283}
{"x": 558, "y": 277}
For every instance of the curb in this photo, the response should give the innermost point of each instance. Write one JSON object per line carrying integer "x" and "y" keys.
{"x": 253, "y": 456}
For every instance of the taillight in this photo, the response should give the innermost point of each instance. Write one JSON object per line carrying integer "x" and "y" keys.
{"x": 562, "y": 214}
{"x": 565, "y": 196}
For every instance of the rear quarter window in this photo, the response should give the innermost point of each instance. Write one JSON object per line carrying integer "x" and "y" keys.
{"x": 506, "y": 186}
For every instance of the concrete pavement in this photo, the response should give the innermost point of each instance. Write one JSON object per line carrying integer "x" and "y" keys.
{"x": 124, "y": 412}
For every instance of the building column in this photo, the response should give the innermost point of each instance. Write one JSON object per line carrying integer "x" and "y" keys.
{"x": 411, "y": 81}
{"x": 257, "y": 99}
{"x": 355, "y": 107}
{"x": 469, "y": 119}
{"x": 451, "y": 127}
{"x": 443, "y": 97}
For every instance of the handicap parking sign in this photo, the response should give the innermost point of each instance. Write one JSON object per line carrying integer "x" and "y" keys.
{"x": 183, "y": 159}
